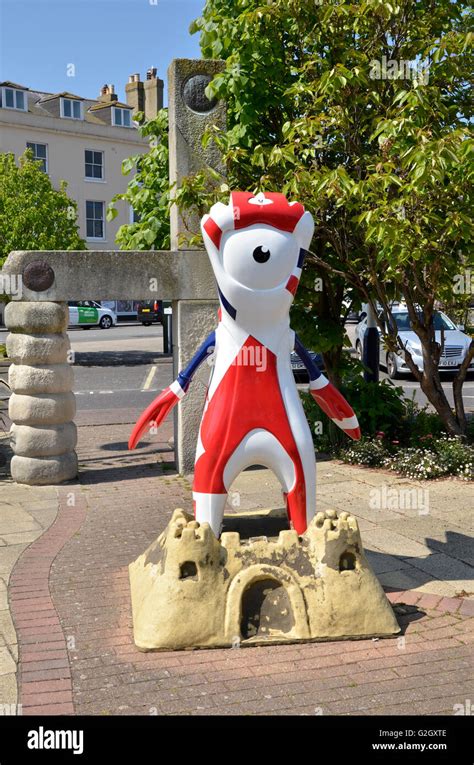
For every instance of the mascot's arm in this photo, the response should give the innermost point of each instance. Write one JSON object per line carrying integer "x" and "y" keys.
{"x": 327, "y": 396}
{"x": 156, "y": 412}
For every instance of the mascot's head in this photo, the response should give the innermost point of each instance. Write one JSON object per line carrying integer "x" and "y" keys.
{"x": 257, "y": 242}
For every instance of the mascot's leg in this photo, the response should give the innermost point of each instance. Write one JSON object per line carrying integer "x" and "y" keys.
{"x": 209, "y": 508}
{"x": 301, "y": 500}
{"x": 293, "y": 431}
{"x": 209, "y": 491}
{"x": 296, "y": 506}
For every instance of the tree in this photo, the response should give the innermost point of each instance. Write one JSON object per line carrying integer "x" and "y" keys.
{"x": 360, "y": 111}
{"x": 33, "y": 214}
{"x": 148, "y": 191}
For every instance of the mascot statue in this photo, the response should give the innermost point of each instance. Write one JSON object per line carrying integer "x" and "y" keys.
{"x": 253, "y": 413}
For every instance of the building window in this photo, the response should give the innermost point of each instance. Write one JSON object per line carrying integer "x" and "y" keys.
{"x": 134, "y": 216}
{"x": 13, "y": 99}
{"x": 94, "y": 165}
{"x": 40, "y": 154}
{"x": 122, "y": 117}
{"x": 95, "y": 220}
{"x": 71, "y": 109}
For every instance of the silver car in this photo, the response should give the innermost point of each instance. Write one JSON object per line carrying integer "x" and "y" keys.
{"x": 456, "y": 344}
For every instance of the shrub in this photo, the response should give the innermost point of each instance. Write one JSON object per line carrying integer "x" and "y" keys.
{"x": 369, "y": 452}
{"x": 456, "y": 457}
{"x": 442, "y": 457}
{"x": 415, "y": 463}
{"x": 420, "y": 424}
{"x": 378, "y": 406}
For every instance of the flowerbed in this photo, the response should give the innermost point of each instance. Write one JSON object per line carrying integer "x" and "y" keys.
{"x": 435, "y": 457}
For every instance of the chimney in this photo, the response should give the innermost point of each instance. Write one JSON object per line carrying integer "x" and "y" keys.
{"x": 153, "y": 88}
{"x": 135, "y": 94}
{"x": 107, "y": 94}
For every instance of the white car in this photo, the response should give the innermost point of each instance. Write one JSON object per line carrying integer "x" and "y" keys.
{"x": 456, "y": 344}
{"x": 88, "y": 313}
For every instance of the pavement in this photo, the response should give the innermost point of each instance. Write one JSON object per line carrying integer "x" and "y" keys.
{"x": 66, "y": 644}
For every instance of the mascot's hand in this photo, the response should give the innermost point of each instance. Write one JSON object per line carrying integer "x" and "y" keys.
{"x": 335, "y": 406}
{"x": 154, "y": 414}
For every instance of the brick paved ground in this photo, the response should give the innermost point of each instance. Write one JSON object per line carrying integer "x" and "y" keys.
{"x": 25, "y": 514}
{"x": 76, "y": 647}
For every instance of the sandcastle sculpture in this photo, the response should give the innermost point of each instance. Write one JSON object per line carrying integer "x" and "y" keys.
{"x": 190, "y": 589}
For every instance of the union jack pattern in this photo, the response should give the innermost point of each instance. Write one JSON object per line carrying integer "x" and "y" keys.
{"x": 253, "y": 413}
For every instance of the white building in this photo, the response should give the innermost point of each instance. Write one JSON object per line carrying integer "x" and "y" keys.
{"x": 83, "y": 142}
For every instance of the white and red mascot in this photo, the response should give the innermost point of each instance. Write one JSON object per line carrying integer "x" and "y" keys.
{"x": 253, "y": 413}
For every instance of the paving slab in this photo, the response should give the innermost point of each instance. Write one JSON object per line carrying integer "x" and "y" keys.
{"x": 9, "y": 554}
{"x": 411, "y": 579}
{"x": 7, "y": 629}
{"x": 14, "y": 518}
{"x": 452, "y": 570}
{"x": 394, "y": 543}
{"x": 8, "y": 692}
{"x": 7, "y": 663}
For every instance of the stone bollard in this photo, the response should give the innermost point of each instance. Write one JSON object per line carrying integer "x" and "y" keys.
{"x": 42, "y": 405}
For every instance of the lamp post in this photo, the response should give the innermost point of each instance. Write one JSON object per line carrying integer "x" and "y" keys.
{"x": 371, "y": 348}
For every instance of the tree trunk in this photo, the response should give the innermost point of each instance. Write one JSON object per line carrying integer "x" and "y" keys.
{"x": 434, "y": 392}
{"x": 429, "y": 379}
{"x": 458, "y": 382}
{"x": 332, "y": 363}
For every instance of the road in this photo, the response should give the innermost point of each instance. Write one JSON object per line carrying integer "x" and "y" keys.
{"x": 120, "y": 367}
{"x": 119, "y": 371}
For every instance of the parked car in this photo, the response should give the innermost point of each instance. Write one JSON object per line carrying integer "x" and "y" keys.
{"x": 5, "y": 393}
{"x": 88, "y": 313}
{"x": 150, "y": 312}
{"x": 352, "y": 316}
{"x": 456, "y": 344}
{"x": 300, "y": 373}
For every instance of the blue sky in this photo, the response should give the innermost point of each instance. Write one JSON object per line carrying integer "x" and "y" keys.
{"x": 105, "y": 40}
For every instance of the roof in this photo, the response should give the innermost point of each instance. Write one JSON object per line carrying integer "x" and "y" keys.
{"x": 106, "y": 105}
{"x": 9, "y": 84}
{"x": 64, "y": 94}
{"x": 39, "y": 102}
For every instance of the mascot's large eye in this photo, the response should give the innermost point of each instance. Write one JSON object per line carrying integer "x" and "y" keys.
{"x": 261, "y": 254}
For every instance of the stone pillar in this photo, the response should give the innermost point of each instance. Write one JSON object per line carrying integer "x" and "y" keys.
{"x": 42, "y": 405}
{"x": 193, "y": 320}
{"x": 190, "y": 113}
